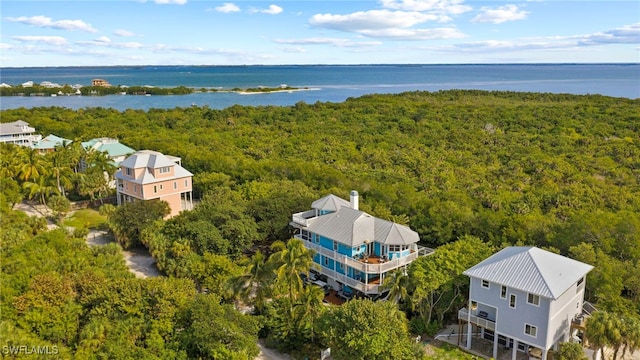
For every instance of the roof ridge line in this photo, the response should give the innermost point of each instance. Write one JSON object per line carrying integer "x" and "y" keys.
{"x": 540, "y": 272}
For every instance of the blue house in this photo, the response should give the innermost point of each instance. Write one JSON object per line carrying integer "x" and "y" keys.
{"x": 353, "y": 249}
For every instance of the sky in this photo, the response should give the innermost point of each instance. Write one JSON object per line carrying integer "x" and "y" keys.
{"x": 273, "y": 32}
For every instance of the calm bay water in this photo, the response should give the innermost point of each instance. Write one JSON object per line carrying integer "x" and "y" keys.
{"x": 325, "y": 83}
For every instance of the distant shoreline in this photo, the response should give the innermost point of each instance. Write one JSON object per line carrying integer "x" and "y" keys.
{"x": 146, "y": 90}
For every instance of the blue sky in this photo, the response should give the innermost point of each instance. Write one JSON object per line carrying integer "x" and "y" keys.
{"x": 198, "y": 32}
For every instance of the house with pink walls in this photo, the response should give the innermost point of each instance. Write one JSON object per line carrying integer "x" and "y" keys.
{"x": 149, "y": 175}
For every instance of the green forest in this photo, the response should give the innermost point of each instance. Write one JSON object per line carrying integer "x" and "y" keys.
{"x": 470, "y": 171}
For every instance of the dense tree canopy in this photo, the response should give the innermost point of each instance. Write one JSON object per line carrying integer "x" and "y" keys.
{"x": 465, "y": 169}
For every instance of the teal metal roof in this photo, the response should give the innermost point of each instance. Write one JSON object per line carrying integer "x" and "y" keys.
{"x": 112, "y": 147}
{"x": 50, "y": 142}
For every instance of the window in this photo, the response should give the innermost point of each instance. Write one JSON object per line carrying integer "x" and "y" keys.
{"x": 340, "y": 266}
{"x": 580, "y": 281}
{"x": 326, "y": 261}
{"x": 512, "y": 301}
{"x": 135, "y": 189}
{"x": 533, "y": 299}
{"x": 127, "y": 171}
{"x": 398, "y": 248}
{"x": 160, "y": 186}
{"x": 503, "y": 292}
{"x": 155, "y": 189}
{"x": 485, "y": 284}
{"x": 164, "y": 170}
{"x": 530, "y": 330}
{"x": 175, "y": 185}
{"x": 186, "y": 183}
{"x": 335, "y": 246}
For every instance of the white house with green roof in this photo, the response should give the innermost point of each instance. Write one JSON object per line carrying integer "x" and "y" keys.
{"x": 50, "y": 142}
{"x": 525, "y": 298}
{"x": 115, "y": 150}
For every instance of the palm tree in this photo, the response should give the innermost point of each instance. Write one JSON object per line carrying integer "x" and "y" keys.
{"x": 9, "y": 161}
{"x": 631, "y": 339}
{"x": 43, "y": 186}
{"x": 61, "y": 169}
{"x": 397, "y": 283}
{"x": 254, "y": 283}
{"x": 603, "y": 330}
{"x": 291, "y": 260}
{"x": 33, "y": 165}
{"x": 309, "y": 307}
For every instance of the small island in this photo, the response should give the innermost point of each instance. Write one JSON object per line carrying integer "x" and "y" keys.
{"x": 100, "y": 88}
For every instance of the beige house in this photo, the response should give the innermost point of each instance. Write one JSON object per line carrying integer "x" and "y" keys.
{"x": 100, "y": 82}
{"x": 150, "y": 175}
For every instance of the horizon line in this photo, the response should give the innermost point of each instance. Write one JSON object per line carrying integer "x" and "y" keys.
{"x": 320, "y": 64}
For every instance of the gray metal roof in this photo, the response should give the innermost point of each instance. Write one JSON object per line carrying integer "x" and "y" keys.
{"x": 352, "y": 227}
{"x": 530, "y": 269}
{"x": 147, "y": 158}
{"x": 330, "y": 203}
{"x": 390, "y": 233}
{"x": 16, "y": 127}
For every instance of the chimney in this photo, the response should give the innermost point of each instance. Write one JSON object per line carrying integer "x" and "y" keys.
{"x": 354, "y": 199}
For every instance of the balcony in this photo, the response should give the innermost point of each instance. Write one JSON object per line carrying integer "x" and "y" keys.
{"x": 477, "y": 318}
{"x": 371, "y": 265}
{"x": 304, "y": 218}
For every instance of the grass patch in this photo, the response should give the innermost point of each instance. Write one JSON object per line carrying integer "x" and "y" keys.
{"x": 86, "y": 218}
{"x": 442, "y": 350}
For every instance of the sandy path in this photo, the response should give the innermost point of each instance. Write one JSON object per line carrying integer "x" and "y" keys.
{"x": 139, "y": 262}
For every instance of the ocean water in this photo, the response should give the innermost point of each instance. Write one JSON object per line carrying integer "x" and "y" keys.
{"x": 324, "y": 83}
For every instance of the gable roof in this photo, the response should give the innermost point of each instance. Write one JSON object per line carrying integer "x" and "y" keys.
{"x": 50, "y": 142}
{"x": 330, "y": 203}
{"x": 530, "y": 269}
{"x": 352, "y": 227}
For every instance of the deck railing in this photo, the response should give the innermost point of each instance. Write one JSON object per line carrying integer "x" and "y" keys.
{"x": 304, "y": 218}
{"x": 358, "y": 265}
{"x": 463, "y": 314}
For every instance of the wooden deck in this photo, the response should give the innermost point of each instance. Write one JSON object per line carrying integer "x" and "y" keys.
{"x": 333, "y": 298}
{"x": 372, "y": 260}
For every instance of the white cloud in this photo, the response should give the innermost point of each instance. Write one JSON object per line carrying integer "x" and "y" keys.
{"x": 124, "y": 33}
{"x": 272, "y": 10}
{"x": 47, "y": 22}
{"x": 499, "y": 15}
{"x": 294, "y": 49}
{"x": 371, "y": 20}
{"x": 227, "y": 8}
{"x": 177, "y": 2}
{"x": 104, "y": 41}
{"x": 337, "y": 42}
{"x": 49, "y": 40}
{"x": 387, "y": 24}
{"x": 453, "y": 7}
{"x": 628, "y": 34}
{"x": 415, "y": 34}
